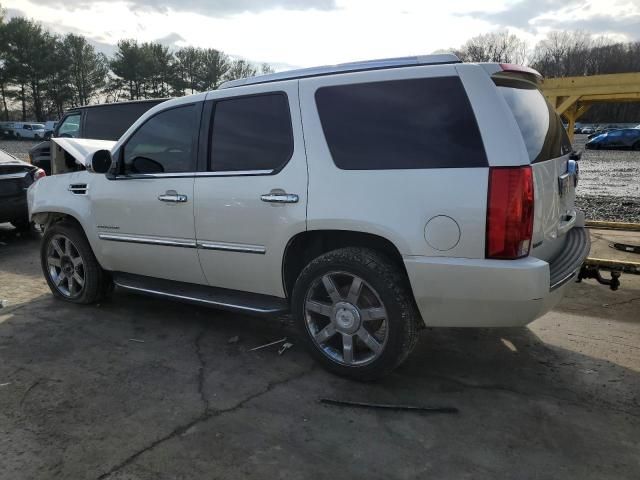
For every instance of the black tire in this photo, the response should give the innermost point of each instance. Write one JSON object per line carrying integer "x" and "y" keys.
{"x": 97, "y": 282}
{"x": 636, "y": 146}
{"x": 384, "y": 279}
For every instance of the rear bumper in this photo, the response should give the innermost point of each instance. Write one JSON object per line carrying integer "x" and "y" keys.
{"x": 462, "y": 292}
{"x": 13, "y": 207}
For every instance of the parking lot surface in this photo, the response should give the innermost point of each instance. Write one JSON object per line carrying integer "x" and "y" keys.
{"x": 140, "y": 388}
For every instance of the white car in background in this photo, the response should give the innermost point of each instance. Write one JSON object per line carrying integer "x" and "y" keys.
{"x": 370, "y": 199}
{"x": 29, "y": 130}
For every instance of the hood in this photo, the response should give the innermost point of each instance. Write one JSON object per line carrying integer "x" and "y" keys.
{"x": 8, "y": 159}
{"x": 82, "y": 149}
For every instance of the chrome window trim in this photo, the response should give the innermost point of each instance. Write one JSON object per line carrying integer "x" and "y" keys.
{"x": 169, "y": 242}
{"x": 238, "y": 173}
{"x": 232, "y": 247}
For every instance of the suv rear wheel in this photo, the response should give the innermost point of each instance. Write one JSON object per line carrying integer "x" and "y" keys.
{"x": 356, "y": 315}
{"x": 70, "y": 267}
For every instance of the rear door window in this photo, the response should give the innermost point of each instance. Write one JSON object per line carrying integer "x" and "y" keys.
{"x": 541, "y": 127}
{"x": 400, "y": 124}
{"x": 251, "y": 133}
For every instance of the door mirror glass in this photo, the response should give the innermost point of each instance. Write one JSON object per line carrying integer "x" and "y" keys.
{"x": 101, "y": 161}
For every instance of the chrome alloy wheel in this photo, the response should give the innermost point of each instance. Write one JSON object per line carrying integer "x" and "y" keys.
{"x": 346, "y": 318}
{"x": 65, "y": 266}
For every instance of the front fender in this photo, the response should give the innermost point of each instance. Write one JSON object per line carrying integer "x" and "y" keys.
{"x": 51, "y": 195}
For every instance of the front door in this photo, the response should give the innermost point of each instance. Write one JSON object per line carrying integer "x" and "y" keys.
{"x": 144, "y": 216}
{"x": 253, "y": 197}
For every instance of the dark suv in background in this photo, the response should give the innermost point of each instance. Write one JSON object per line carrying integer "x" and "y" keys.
{"x": 107, "y": 121}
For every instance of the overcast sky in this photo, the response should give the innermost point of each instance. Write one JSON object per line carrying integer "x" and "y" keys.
{"x": 301, "y": 33}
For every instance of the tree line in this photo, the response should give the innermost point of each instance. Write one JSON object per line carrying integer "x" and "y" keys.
{"x": 43, "y": 74}
{"x": 564, "y": 54}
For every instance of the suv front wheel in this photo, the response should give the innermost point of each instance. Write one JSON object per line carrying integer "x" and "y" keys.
{"x": 70, "y": 267}
{"x": 355, "y": 312}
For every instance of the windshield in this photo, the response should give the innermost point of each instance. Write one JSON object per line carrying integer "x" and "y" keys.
{"x": 70, "y": 127}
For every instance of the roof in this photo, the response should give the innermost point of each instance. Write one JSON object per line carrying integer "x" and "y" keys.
{"x": 436, "y": 59}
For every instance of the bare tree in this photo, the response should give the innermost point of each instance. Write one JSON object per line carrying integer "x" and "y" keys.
{"x": 503, "y": 47}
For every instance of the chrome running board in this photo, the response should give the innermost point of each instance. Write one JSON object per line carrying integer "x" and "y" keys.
{"x": 222, "y": 298}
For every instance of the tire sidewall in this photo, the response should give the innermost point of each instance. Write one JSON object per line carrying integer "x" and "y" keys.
{"x": 395, "y": 305}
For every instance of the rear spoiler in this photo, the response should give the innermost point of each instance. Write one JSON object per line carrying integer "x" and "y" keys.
{"x": 510, "y": 70}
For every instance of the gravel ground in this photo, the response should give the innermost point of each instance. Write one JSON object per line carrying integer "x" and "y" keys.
{"x": 18, "y": 148}
{"x": 609, "y": 187}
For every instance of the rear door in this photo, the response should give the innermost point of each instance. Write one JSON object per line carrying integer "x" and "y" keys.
{"x": 548, "y": 147}
{"x": 253, "y": 196}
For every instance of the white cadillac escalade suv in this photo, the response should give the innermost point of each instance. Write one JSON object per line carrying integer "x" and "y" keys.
{"x": 370, "y": 199}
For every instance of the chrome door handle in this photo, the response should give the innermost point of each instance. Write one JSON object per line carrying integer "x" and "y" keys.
{"x": 280, "y": 198}
{"x": 172, "y": 196}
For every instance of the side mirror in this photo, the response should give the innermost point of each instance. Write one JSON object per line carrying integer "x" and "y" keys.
{"x": 575, "y": 155}
{"x": 100, "y": 162}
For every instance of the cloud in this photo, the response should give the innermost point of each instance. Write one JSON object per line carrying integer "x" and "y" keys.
{"x": 14, "y": 12}
{"x": 212, "y": 7}
{"x": 171, "y": 40}
{"x": 531, "y": 15}
{"x": 521, "y": 13}
{"x": 628, "y": 25}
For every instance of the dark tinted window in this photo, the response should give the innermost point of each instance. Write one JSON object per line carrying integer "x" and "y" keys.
{"x": 418, "y": 123}
{"x": 541, "y": 127}
{"x": 251, "y": 133}
{"x": 164, "y": 143}
{"x": 110, "y": 121}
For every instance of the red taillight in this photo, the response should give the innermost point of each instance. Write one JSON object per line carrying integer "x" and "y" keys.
{"x": 38, "y": 174}
{"x": 509, "y": 212}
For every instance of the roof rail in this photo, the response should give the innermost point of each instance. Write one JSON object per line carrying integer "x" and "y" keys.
{"x": 436, "y": 59}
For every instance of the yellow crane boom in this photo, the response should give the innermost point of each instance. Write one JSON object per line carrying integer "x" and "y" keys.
{"x": 572, "y": 96}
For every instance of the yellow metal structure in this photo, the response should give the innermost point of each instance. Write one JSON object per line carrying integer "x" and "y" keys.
{"x": 572, "y": 96}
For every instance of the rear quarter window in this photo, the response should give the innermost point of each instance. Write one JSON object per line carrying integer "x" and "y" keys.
{"x": 541, "y": 127}
{"x": 400, "y": 124}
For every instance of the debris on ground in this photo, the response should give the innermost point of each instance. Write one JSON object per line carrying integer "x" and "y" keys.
{"x": 268, "y": 344}
{"x": 235, "y": 339}
{"x": 5, "y": 384}
{"x": 136, "y": 340}
{"x": 623, "y": 247}
{"x": 3, "y": 303}
{"x": 285, "y": 346}
{"x": 380, "y": 406}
